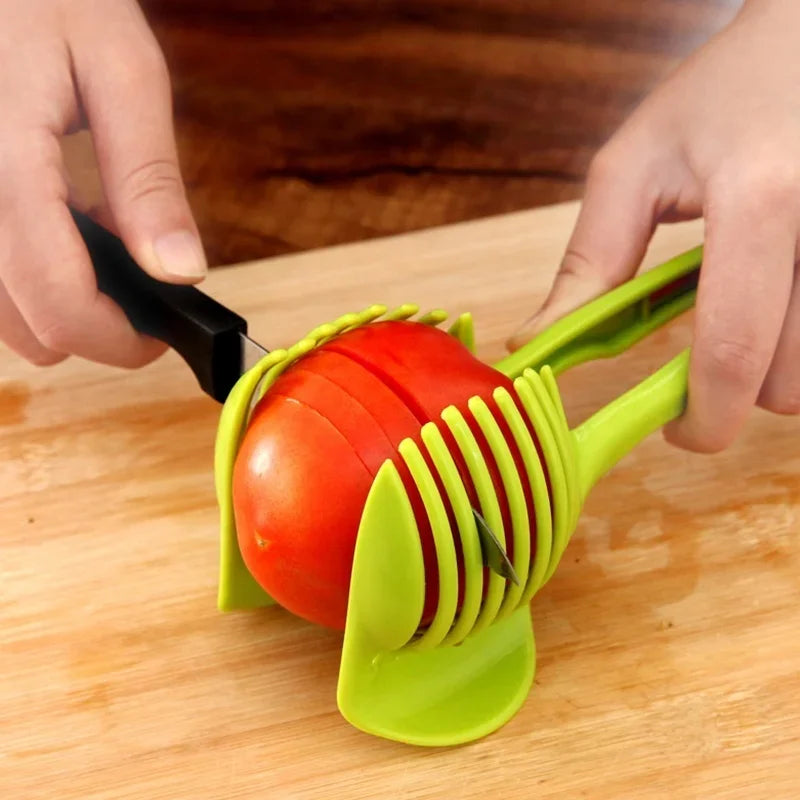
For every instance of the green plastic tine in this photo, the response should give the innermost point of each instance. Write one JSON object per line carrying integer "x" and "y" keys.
{"x": 443, "y": 541}
{"x": 567, "y": 442}
{"x": 346, "y": 320}
{"x": 258, "y": 383}
{"x": 562, "y": 514}
{"x": 433, "y": 317}
{"x": 346, "y": 323}
{"x": 237, "y": 587}
{"x": 538, "y": 484}
{"x": 562, "y": 436}
{"x": 487, "y": 500}
{"x": 323, "y": 331}
{"x": 340, "y": 326}
{"x": 401, "y": 313}
{"x": 549, "y": 381}
{"x": 365, "y": 317}
{"x": 566, "y": 469}
{"x": 520, "y": 524}
{"x": 464, "y": 330}
{"x": 470, "y": 546}
{"x": 329, "y": 330}
{"x": 295, "y": 352}
{"x": 387, "y": 584}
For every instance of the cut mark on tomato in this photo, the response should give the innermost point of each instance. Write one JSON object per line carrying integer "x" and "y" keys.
{"x": 311, "y": 408}
{"x": 410, "y": 401}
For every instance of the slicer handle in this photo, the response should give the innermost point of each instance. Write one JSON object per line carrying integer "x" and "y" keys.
{"x": 615, "y": 321}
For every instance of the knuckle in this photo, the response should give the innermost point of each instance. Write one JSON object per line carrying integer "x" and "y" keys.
{"x": 767, "y": 185}
{"x": 734, "y": 360}
{"x": 576, "y": 264}
{"x": 772, "y": 190}
{"x": 157, "y": 176}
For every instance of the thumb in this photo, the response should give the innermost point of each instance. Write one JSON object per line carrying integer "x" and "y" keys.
{"x": 608, "y": 242}
{"x": 125, "y": 91}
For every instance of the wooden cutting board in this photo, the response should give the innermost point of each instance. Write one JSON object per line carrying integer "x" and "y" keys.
{"x": 669, "y": 655}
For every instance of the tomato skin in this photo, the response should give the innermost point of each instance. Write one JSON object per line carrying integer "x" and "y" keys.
{"x": 319, "y": 436}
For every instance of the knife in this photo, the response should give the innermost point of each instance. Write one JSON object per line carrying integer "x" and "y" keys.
{"x": 209, "y": 337}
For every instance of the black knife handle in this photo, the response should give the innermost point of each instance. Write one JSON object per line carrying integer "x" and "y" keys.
{"x": 203, "y": 332}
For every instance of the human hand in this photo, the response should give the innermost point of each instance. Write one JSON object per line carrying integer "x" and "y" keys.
{"x": 69, "y": 63}
{"x": 719, "y": 138}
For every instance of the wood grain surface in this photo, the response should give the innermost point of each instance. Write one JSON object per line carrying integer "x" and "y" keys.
{"x": 669, "y": 660}
{"x": 307, "y": 124}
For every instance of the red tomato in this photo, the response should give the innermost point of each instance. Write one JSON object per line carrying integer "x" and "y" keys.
{"x": 319, "y": 436}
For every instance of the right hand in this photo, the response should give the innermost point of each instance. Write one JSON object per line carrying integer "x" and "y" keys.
{"x": 66, "y": 64}
{"x": 718, "y": 139}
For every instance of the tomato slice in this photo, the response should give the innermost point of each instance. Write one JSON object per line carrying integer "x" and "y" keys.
{"x": 296, "y": 526}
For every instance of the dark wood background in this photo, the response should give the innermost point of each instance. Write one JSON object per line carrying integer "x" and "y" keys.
{"x": 305, "y": 123}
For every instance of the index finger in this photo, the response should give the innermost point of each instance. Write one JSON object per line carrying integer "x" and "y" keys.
{"x": 46, "y": 269}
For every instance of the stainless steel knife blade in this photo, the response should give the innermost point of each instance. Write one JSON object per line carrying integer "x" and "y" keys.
{"x": 252, "y": 352}
{"x": 494, "y": 555}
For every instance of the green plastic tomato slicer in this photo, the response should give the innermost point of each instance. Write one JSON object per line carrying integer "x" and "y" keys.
{"x": 468, "y": 672}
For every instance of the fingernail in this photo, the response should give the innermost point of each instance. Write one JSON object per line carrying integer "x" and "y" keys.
{"x": 180, "y": 254}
